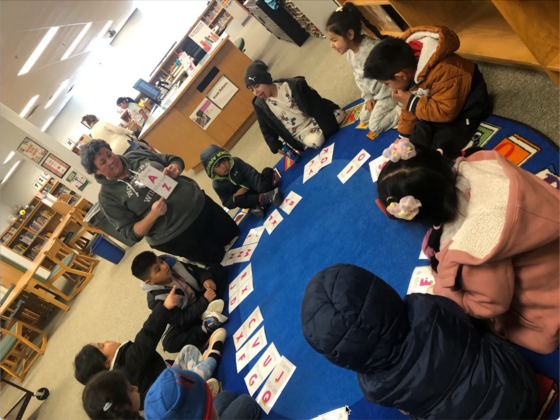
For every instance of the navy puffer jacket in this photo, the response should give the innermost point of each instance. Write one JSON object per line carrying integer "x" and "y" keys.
{"x": 422, "y": 355}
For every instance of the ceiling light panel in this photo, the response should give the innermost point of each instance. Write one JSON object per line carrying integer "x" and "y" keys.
{"x": 57, "y": 93}
{"x": 28, "y": 106}
{"x": 11, "y": 155}
{"x": 38, "y": 51}
{"x": 48, "y": 123}
{"x": 72, "y": 47}
{"x": 11, "y": 171}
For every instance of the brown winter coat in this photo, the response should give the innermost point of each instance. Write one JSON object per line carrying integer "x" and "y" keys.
{"x": 443, "y": 79}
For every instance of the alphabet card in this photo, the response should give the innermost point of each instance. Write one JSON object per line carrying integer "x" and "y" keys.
{"x": 353, "y": 166}
{"x": 247, "y": 328}
{"x": 290, "y": 202}
{"x": 245, "y": 253}
{"x": 338, "y": 414}
{"x": 273, "y": 220}
{"x": 228, "y": 246}
{"x": 230, "y": 256}
{"x": 240, "y": 288}
{"x": 262, "y": 369}
{"x": 326, "y": 155}
{"x": 422, "y": 281}
{"x": 311, "y": 168}
{"x": 250, "y": 349}
{"x": 243, "y": 277}
{"x": 375, "y": 167}
{"x": 275, "y": 384}
{"x": 156, "y": 181}
{"x": 254, "y": 236}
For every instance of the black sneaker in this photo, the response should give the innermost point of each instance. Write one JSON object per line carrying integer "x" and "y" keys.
{"x": 258, "y": 211}
{"x": 211, "y": 324}
{"x": 272, "y": 197}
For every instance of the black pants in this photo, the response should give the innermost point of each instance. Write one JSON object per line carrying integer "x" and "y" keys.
{"x": 178, "y": 337}
{"x": 250, "y": 199}
{"x": 451, "y": 137}
{"x": 204, "y": 240}
{"x": 247, "y": 201}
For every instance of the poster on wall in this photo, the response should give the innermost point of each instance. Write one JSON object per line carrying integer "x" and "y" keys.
{"x": 204, "y": 36}
{"x": 205, "y": 113}
{"x": 222, "y": 92}
{"x": 55, "y": 165}
{"x": 32, "y": 150}
{"x": 77, "y": 180}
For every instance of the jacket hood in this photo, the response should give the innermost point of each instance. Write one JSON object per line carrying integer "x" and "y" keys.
{"x": 210, "y": 156}
{"x": 353, "y": 318}
{"x": 438, "y": 42}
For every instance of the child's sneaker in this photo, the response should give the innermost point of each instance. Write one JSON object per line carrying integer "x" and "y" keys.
{"x": 272, "y": 197}
{"x": 213, "y": 322}
{"x": 216, "y": 343}
{"x": 214, "y": 386}
{"x": 214, "y": 306}
{"x": 339, "y": 114}
{"x": 259, "y": 212}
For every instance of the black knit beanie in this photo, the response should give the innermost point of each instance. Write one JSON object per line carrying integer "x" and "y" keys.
{"x": 257, "y": 74}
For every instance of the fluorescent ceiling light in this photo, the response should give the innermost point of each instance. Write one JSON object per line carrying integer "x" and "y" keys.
{"x": 11, "y": 155}
{"x": 105, "y": 29}
{"x": 58, "y": 92}
{"x": 76, "y": 42}
{"x": 38, "y": 51}
{"x": 49, "y": 121}
{"x": 11, "y": 171}
{"x": 28, "y": 106}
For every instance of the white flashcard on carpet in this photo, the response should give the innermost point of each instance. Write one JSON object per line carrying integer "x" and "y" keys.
{"x": 262, "y": 369}
{"x": 275, "y": 384}
{"x": 241, "y": 278}
{"x": 338, "y": 414}
{"x": 245, "y": 253}
{"x": 375, "y": 167}
{"x": 229, "y": 257}
{"x": 228, "y": 246}
{"x": 422, "y": 256}
{"x": 422, "y": 281}
{"x": 326, "y": 155}
{"x": 353, "y": 166}
{"x": 247, "y": 328}
{"x": 311, "y": 168}
{"x": 273, "y": 220}
{"x": 239, "y": 290}
{"x": 290, "y": 202}
{"x": 250, "y": 349}
{"x": 254, "y": 236}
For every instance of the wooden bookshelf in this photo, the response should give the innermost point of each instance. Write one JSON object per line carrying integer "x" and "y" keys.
{"x": 28, "y": 233}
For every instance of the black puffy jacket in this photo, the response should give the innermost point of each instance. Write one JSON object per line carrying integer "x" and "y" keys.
{"x": 422, "y": 355}
{"x": 308, "y": 101}
{"x": 241, "y": 175}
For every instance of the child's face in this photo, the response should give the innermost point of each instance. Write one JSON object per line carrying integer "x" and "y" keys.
{"x": 262, "y": 91}
{"x": 401, "y": 81}
{"x": 159, "y": 273}
{"x": 339, "y": 43}
{"x": 108, "y": 348}
{"x": 134, "y": 396}
{"x": 221, "y": 168}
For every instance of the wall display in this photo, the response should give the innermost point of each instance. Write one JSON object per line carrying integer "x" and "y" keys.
{"x": 32, "y": 150}
{"x": 70, "y": 143}
{"x": 222, "y": 92}
{"x": 77, "y": 180}
{"x": 41, "y": 180}
{"x": 55, "y": 165}
{"x": 205, "y": 113}
{"x": 37, "y": 185}
{"x": 204, "y": 36}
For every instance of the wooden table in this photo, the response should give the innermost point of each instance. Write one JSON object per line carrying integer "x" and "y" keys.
{"x": 27, "y": 282}
{"x": 171, "y": 130}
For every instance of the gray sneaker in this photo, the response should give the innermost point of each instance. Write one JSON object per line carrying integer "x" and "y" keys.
{"x": 272, "y": 197}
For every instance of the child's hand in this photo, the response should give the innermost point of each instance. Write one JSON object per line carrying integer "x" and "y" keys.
{"x": 240, "y": 191}
{"x": 159, "y": 207}
{"x": 209, "y": 284}
{"x": 171, "y": 300}
{"x": 401, "y": 96}
{"x": 210, "y": 295}
{"x": 173, "y": 170}
{"x": 369, "y": 105}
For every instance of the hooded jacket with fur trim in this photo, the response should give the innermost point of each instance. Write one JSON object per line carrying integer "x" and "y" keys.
{"x": 500, "y": 258}
{"x": 446, "y": 86}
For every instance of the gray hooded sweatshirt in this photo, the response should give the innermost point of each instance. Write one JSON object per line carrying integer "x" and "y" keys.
{"x": 125, "y": 202}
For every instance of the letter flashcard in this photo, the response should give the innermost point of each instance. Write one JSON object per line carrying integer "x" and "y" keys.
{"x": 275, "y": 384}
{"x": 353, "y": 166}
{"x": 250, "y": 349}
{"x": 247, "y": 328}
{"x": 290, "y": 202}
{"x": 156, "y": 181}
{"x": 262, "y": 369}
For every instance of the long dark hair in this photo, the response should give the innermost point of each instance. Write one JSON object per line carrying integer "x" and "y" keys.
{"x": 105, "y": 397}
{"x": 350, "y": 18}
{"x": 429, "y": 178}
{"x": 125, "y": 99}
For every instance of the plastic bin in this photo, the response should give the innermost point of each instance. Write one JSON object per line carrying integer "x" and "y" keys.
{"x": 107, "y": 249}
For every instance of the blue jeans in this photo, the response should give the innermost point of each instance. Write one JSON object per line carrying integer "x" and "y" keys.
{"x": 232, "y": 407}
{"x": 189, "y": 358}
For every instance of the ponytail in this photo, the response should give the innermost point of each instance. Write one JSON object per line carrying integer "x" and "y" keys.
{"x": 105, "y": 397}
{"x": 125, "y": 99}
{"x": 349, "y": 18}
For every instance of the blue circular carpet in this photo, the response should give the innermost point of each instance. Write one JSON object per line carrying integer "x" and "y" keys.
{"x": 340, "y": 223}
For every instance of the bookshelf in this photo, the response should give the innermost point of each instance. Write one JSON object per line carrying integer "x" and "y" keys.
{"x": 28, "y": 233}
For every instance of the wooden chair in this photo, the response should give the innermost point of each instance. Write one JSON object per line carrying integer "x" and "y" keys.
{"x": 76, "y": 268}
{"x": 76, "y": 240}
{"x": 18, "y": 353}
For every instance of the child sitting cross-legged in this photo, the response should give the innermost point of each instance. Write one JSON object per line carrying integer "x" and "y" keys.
{"x": 199, "y": 312}
{"x": 139, "y": 359}
{"x": 238, "y": 184}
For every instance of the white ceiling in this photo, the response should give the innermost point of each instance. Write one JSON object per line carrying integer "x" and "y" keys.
{"x": 23, "y": 24}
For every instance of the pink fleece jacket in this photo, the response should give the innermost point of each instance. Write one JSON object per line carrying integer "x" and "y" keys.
{"x": 500, "y": 258}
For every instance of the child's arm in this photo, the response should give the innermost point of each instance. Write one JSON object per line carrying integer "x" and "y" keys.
{"x": 447, "y": 96}
{"x": 225, "y": 195}
{"x": 327, "y": 123}
{"x": 252, "y": 177}
{"x": 270, "y": 136}
{"x": 191, "y": 314}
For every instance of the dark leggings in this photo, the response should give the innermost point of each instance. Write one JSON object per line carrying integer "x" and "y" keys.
{"x": 247, "y": 201}
{"x": 178, "y": 337}
{"x": 204, "y": 240}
